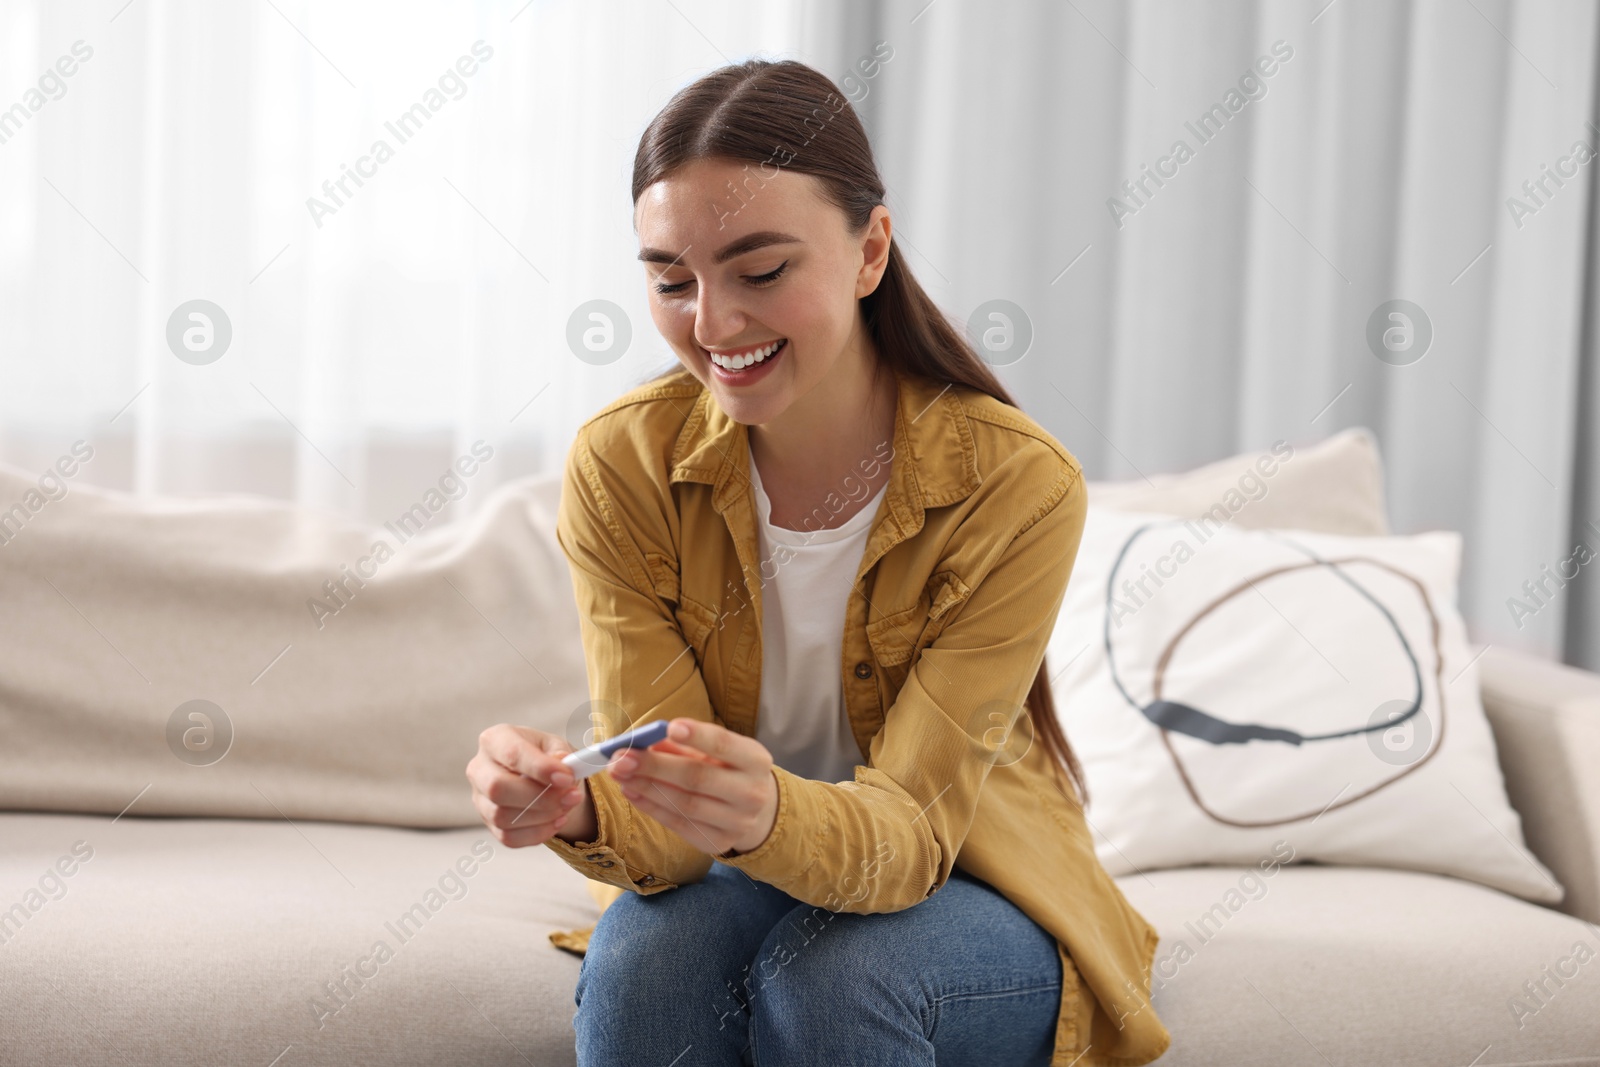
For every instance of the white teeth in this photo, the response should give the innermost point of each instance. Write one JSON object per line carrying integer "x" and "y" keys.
{"x": 741, "y": 362}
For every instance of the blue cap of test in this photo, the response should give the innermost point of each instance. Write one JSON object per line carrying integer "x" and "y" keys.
{"x": 593, "y": 758}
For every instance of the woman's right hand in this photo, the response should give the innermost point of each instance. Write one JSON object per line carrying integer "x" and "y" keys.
{"x": 523, "y": 792}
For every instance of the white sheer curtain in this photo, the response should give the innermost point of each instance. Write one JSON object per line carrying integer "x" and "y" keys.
{"x": 371, "y": 346}
{"x": 430, "y": 310}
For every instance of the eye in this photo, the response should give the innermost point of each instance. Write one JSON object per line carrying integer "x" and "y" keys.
{"x": 759, "y": 281}
{"x": 768, "y": 279}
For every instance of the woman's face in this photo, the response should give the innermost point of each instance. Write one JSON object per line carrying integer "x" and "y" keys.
{"x": 743, "y": 271}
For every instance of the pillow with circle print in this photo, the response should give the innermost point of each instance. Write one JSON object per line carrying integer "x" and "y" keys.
{"x": 1226, "y": 688}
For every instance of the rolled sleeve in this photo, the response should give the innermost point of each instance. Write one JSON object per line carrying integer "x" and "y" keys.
{"x": 638, "y": 661}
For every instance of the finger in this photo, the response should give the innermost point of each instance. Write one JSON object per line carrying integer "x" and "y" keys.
{"x": 698, "y": 830}
{"x": 521, "y": 751}
{"x": 550, "y": 807}
{"x": 531, "y": 752}
{"x": 508, "y": 789}
{"x": 632, "y": 760}
{"x": 720, "y": 743}
{"x": 712, "y": 813}
{"x": 500, "y": 784}
{"x": 558, "y": 800}
{"x": 546, "y": 807}
{"x": 511, "y": 822}
{"x": 690, "y": 774}
{"x": 523, "y": 837}
{"x": 675, "y": 749}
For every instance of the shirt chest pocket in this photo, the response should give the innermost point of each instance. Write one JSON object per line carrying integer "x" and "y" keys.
{"x": 899, "y": 635}
{"x": 696, "y": 620}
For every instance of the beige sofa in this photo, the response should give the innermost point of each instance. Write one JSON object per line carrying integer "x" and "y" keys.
{"x": 299, "y": 878}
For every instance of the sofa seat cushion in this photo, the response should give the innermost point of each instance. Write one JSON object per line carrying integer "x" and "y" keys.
{"x": 1350, "y": 965}
{"x": 200, "y": 941}
{"x": 204, "y": 941}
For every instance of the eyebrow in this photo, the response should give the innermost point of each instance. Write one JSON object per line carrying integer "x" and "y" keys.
{"x": 748, "y": 243}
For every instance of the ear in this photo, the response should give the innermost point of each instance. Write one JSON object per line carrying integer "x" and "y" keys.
{"x": 875, "y": 246}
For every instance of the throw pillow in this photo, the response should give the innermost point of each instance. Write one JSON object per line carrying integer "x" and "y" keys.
{"x": 1232, "y": 693}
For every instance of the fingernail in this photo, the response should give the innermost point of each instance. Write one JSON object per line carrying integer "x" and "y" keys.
{"x": 574, "y": 796}
{"x": 561, "y": 779}
{"x": 625, "y": 763}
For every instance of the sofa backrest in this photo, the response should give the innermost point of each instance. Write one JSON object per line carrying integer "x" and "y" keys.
{"x": 238, "y": 656}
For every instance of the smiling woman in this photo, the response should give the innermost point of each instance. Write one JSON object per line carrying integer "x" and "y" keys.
{"x": 849, "y": 773}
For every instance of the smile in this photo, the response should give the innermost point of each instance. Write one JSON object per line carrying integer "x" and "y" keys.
{"x": 738, "y": 361}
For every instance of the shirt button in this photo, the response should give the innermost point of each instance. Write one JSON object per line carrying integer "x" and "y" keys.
{"x": 863, "y": 669}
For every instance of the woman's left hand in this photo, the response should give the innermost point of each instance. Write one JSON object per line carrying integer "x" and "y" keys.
{"x": 712, "y": 787}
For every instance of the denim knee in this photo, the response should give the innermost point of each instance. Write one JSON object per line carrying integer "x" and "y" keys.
{"x": 964, "y": 973}
{"x": 626, "y": 935}
{"x": 671, "y": 964}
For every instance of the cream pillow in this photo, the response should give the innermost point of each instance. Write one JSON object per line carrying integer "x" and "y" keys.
{"x": 1334, "y": 485}
{"x": 1232, "y": 693}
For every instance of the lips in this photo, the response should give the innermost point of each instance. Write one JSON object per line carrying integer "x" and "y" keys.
{"x": 783, "y": 343}
{"x": 750, "y": 376}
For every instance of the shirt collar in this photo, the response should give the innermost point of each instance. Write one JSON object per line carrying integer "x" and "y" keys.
{"x": 935, "y": 461}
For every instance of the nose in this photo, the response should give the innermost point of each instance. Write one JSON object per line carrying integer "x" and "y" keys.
{"x": 718, "y": 321}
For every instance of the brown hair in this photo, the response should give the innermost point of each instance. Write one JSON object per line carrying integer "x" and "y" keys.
{"x": 756, "y": 112}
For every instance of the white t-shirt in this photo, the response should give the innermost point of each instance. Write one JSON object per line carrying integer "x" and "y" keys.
{"x": 805, "y": 586}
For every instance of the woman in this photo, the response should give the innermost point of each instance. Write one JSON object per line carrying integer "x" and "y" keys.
{"x": 830, "y": 550}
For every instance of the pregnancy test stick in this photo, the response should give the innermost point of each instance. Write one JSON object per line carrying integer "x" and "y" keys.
{"x": 587, "y": 761}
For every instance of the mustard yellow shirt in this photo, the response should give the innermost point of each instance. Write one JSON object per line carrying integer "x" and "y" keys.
{"x": 956, "y": 595}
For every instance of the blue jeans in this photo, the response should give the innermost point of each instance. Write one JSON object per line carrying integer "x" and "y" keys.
{"x": 733, "y": 971}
